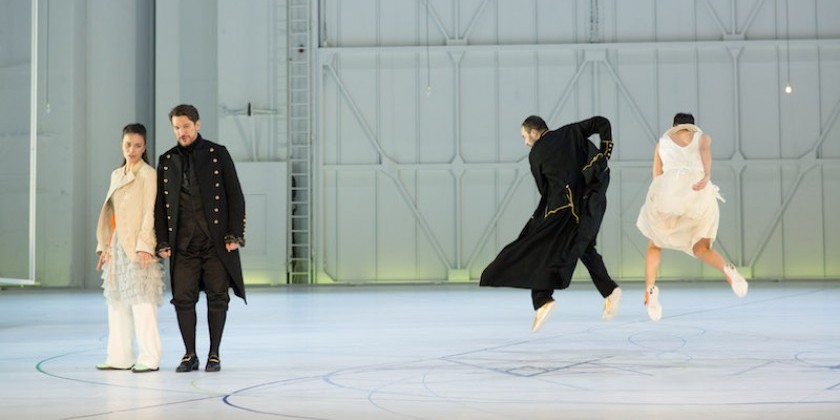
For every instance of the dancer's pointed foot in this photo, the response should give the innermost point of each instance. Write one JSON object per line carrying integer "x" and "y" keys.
{"x": 611, "y": 304}
{"x": 654, "y": 309}
{"x": 736, "y": 280}
{"x": 542, "y": 315}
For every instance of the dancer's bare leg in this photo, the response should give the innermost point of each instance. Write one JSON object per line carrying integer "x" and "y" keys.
{"x": 702, "y": 250}
{"x": 652, "y": 258}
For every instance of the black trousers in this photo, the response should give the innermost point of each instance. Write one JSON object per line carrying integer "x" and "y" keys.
{"x": 594, "y": 263}
{"x": 195, "y": 267}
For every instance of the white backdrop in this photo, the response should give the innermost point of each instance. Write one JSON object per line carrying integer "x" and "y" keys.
{"x": 421, "y": 166}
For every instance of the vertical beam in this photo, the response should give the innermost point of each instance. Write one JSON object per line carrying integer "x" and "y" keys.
{"x": 738, "y": 156}
{"x": 33, "y": 139}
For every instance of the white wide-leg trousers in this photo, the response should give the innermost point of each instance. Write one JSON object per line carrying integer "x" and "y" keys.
{"x": 124, "y": 321}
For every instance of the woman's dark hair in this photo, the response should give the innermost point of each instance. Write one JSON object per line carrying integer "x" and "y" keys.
{"x": 534, "y": 123}
{"x": 137, "y": 128}
{"x": 683, "y": 118}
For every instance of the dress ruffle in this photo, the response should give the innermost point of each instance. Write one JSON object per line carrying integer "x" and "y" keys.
{"x": 128, "y": 282}
{"x": 674, "y": 216}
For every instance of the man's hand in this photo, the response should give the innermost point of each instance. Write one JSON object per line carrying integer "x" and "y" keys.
{"x": 232, "y": 246}
{"x": 165, "y": 253}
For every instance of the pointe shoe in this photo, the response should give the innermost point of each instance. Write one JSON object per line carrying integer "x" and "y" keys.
{"x": 188, "y": 363}
{"x": 542, "y": 315}
{"x": 611, "y": 304}
{"x": 654, "y": 309}
{"x": 736, "y": 280}
{"x": 214, "y": 364}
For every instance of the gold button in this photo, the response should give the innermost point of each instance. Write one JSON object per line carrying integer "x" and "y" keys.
{"x": 216, "y": 172}
{"x": 165, "y": 168}
{"x": 216, "y": 222}
{"x": 216, "y": 210}
{"x": 211, "y": 149}
{"x": 217, "y": 197}
{"x": 215, "y": 160}
{"x": 165, "y": 180}
{"x": 217, "y": 185}
{"x": 169, "y": 217}
{"x": 170, "y": 229}
{"x": 167, "y": 156}
{"x": 166, "y": 192}
{"x": 167, "y": 205}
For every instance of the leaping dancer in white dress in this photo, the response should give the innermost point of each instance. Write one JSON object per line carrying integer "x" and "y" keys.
{"x": 681, "y": 209}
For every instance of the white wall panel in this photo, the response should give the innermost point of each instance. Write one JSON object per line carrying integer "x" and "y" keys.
{"x": 477, "y": 130}
{"x": 803, "y": 225}
{"x": 457, "y": 152}
{"x": 398, "y": 109}
{"x": 716, "y": 100}
{"x": 829, "y": 94}
{"x": 356, "y": 228}
{"x": 827, "y": 16}
{"x": 758, "y": 104}
{"x": 802, "y": 122}
{"x": 637, "y": 71}
{"x": 436, "y": 125}
{"x": 557, "y": 21}
{"x": 266, "y": 206}
{"x": 641, "y": 28}
{"x": 398, "y": 235}
{"x": 677, "y": 83}
{"x": 398, "y": 23}
{"x": 516, "y": 92}
{"x": 830, "y": 212}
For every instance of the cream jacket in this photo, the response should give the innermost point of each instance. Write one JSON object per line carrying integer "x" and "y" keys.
{"x": 132, "y": 193}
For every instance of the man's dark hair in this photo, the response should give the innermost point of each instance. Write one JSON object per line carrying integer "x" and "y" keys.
{"x": 683, "y": 118}
{"x": 137, "y": 128}
{"x": 534, "y": 123}
{"x": 184, "y": 110}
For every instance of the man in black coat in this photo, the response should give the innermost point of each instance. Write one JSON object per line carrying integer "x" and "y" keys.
{"x": 200, "y": 222}
{"x": 572, "y": 177}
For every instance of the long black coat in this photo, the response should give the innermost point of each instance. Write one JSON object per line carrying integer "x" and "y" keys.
{"x": 572, "y": 176}
{"x": 221, "y": 198}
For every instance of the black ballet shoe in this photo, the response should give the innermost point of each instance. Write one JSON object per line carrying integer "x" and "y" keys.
{"x": 188, "y": 363}
{"x": 213, "y": 363}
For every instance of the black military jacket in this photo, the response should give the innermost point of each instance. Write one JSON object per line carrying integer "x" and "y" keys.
{"x": 221, "y": 198}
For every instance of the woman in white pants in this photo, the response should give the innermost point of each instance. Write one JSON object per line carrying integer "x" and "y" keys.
{"x": 132, "y": 278}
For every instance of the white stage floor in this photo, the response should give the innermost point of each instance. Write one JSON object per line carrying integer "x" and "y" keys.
{"x": 442, "y": 352}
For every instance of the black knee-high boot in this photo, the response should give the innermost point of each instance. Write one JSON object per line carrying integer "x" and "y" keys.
{"x": 186, "y": 322}
{"x": 216, "y": 322}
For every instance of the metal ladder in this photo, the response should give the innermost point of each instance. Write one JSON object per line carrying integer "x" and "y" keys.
{"x": 300, "y": 269}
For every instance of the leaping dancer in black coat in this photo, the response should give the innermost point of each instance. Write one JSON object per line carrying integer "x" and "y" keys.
{"x": 572, "y": 177}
